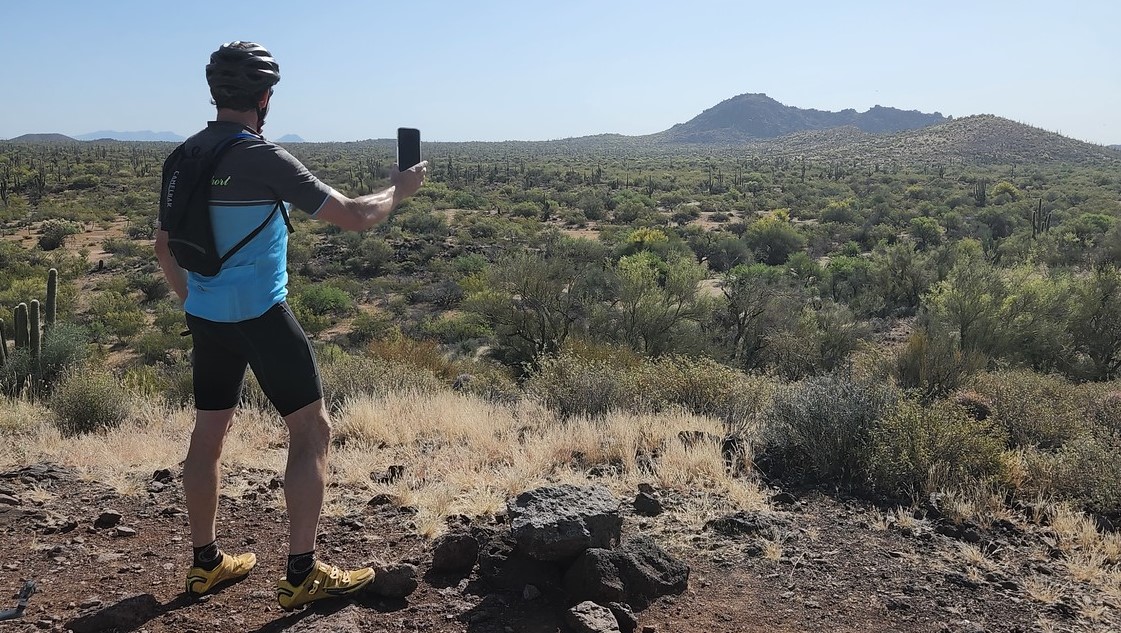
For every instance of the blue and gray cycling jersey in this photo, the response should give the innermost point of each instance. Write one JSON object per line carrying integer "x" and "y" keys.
{"x": 249, "y": 180}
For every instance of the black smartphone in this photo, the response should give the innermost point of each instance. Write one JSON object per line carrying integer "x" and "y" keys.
{"x": 408, "y": 147}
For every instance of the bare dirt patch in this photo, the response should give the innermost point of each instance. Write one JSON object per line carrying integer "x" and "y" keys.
{"x": 830, "y": 564}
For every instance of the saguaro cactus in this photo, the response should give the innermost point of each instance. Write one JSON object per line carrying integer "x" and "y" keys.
{"x": 3, "y": 344}
{"x": 35, "y": 334}
{"x": 22, "y": 336}
{"x": 52, "y": 297}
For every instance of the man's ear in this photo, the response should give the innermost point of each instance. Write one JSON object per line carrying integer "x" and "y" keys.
{"x": 264, "y": 100}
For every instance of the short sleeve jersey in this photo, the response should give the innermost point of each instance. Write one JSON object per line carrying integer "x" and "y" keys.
{"x": 248, "y": 182}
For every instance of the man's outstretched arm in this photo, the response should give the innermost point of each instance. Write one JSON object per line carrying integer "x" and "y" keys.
{"x": 359, "y": 214}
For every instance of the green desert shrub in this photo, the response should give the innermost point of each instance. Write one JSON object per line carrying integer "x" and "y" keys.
{"x": 1036, "y": 410}
{"x": 169, "y": 382}
{"x": 1104, "y": 410}
{"x": 454, "y": 328}
{"x": 825, "y": 424}
{"x": 158, "y": 346}
{"x": 53, "y": 233}
{"x": 703, "y": 386}
{"x": 324, "y": 300}
{"x": 918, "y": 449}
{"x": 934, "y": 365}
{"x": 88, "y": 400}
{"x": 1085, "y": 470}
{"x": 65, "y": 346}
{"x": 573, "y": 385}
{"x": 492, "y": 384}
{"x": 345, "y": 376}
{"x": 116, "y": 314}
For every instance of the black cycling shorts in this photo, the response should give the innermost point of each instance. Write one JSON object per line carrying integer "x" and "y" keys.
{"x": 273, "y": 344}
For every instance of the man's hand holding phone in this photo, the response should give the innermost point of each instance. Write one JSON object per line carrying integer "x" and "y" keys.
{"x": 408, "y": 182}
{"x": 408, "y": 174}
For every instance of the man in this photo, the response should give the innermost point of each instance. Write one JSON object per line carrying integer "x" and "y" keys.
{"x": 239, "y": 318}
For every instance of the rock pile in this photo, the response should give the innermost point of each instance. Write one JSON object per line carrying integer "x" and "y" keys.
{"x": 566, "y": 541}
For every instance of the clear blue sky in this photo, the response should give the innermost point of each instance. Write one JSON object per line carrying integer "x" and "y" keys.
{"x": 540, "y": 69}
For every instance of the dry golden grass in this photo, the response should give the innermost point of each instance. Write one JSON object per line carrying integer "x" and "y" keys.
{"x": 975, "y": 557}
{"x": 1042, "y": 591}
{"x": 18, "y": 416}
{"x": 461, "y": 454}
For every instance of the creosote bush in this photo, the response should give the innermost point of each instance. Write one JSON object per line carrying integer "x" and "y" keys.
{"x": 826, "y": 423}
{"x": 575, "y": 386}
{"x": 933, "y": 364}
{"x": 703, "y": 386}
{"x": 1038, "y": 411}
{"x": 585, "y": 381}
{"x": 88, "y": 400}
{"x": 346, "y": 376}
{"x": 920, "y": 449}
{"x": 1085, "y": 470}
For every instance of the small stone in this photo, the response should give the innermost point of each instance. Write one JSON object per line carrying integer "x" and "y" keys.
{"x": 784, "y": 498}
{"x": 895, "y": 604}
{"x": 163, "y": 476}
{"x": 394, "y": 581}
{"x": 123, "y": 530}
{"x": 382, "y": 500}
{"x": 391, "y": 474}
{"x": 648, "y": 504}
{"x": 454, "y": 552}
{"x": 9, "y": 500}
{"x": 108, "y": 519}
{"x": 589, "y": 617}
{"x": 531, "y": 592}
{"x": 90, "y": 603}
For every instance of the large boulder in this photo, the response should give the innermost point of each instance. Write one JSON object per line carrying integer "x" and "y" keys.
{"x": 504, "y": 568}
{"x": 637, "y": 573}
{"x": 557, "y": 523}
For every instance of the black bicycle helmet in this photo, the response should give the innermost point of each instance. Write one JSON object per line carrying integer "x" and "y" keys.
{"x": 241, "y": 69}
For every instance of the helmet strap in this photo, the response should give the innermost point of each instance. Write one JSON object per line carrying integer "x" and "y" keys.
{"x": 263, "y": 110}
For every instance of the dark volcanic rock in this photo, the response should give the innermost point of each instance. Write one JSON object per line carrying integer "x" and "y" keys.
{"x": 503, "y": 567}
{"x": 637, "y": 573}
{"x": 743, "y": 523}
{"x": 454, "y": 553}
{"x": 647, "y": 504}
{"x": 556, "y": 523}
{"x": 589, "y": 617}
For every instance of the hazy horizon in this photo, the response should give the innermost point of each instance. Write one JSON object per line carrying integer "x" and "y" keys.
{"x": 494, "y": 71}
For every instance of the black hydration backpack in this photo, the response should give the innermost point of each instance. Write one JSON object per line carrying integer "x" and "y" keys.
{"x": 185, "y": 208}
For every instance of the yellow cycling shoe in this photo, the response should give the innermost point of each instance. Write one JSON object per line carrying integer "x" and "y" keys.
{"x": 200, "y": 581}
{"x": 324, "y": 581}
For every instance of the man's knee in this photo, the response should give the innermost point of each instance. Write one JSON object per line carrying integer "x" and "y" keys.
{"x": 311, "y": 421}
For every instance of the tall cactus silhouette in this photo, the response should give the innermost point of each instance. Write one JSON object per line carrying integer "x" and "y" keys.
{"x": 52, "y": 297}
{"x": 35, "y": 337}
{"x": 22, "y": 336}
{"x": 3, "y": 345}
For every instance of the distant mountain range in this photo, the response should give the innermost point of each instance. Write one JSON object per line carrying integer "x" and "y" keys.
{"x": 757, "y": 116}
{"x": 758, "y": 124}
{"x": 42, "y": 138}
{"x": 984, "y": 139}
{"x": 142, "y": 135}
{"x": 113, "y": 135}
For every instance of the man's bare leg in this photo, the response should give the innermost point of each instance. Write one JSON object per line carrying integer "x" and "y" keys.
{"x": 201, "y": 473}
{"x": 305, "y": 478}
